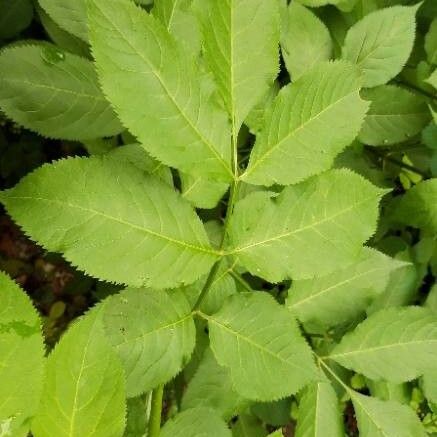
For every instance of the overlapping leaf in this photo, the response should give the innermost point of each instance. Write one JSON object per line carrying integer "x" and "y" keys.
{"x": 381, "y": 42}
{"x": 234, "y": 30}
{"x": 113, "y": 221}
{"x": 54, "y": 93}
{"x": 14, "y": 17}
{"x": 395, "y": 344}
{"x": 309, "y": 123}
{"x": 84, "y": 389}
{"x": 152, "y": 332}
{"x": 158, "y": 90}
{"x": 21, "y": 359}
{"x": 312, "y": 228}
{"x": 259, "y": 341}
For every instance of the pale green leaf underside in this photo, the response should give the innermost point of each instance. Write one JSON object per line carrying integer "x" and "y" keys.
{"x": 196, "y": 422}
{"x": 54, "y": 93}
{"x": 305, "y": 40}
{"x": 308, "y": 124}
{"x": 68, "y": 14}
{"x": 241, "y": 40}
{"x": 312, "y": 228}
{"x": 395, "y": 115}
{"x": 259, "y": 341}
{"x": 378, "y": 418}
{"x": 113, "y": 221}
{"x": 158, "y": 91}
{"x": 319, "y": 412}
{"x": 418, "y": 207}
{"x": 395, "y": 344}
{"x": 340, "y": 296}
{"x": 21, "y": 358}
{"x": 152, "y": 332}
{"x": 211, "y": 386}
{"x": 381, "y": 43}
{"x": 84, "y": 388}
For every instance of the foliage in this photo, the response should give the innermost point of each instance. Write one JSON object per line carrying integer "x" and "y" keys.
{"x": 257, "y": 180}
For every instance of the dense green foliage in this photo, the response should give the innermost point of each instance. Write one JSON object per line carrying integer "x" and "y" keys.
{"x": 260, "y": 184}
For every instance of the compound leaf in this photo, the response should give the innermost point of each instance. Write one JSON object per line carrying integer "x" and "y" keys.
{"x": 84, "y": 389}
{"x": 319, "y": 413}
{"x": 259, "y": 341}
{"x": 305, "y": 40}
{"x": 378, "y": 418}
{"x": 233, "y": 31}
{"x": 158, "y": 90}
{"x": 21, "y": 359}
{"x": 196, "y": 422}
{"x": 304, "y": 129}
{"x": 312, "y": 228}
{"x": 395, "y": 344}
{"x": 342, "y": 295}
{"x": 381, "y": 43}
{"x": 54, "y": 93}
{"x": 113, "y": 221}
{"x": 152, "y": 332}
{"x": 395, "y": 115}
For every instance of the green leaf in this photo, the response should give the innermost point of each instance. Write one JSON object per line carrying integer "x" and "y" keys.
{"x": 312, "y": 228}
{"x": 344, "y": 294}
{"x": 319, "y": 412}
{"x": 305, "y": 40}
{"x": 233, "y": 31}
{"x": 179, "y": 19}
{"x": 158, "y": 90}
{"x": 305, "y": 129}
{"x": 201, "y": 192}
{"x": 15, "y": 16}
{"x": 84, "y": 390}
{"x": 152, "y": 332}
{"x": 248, "y": 426}
{"x": 113, "y": 221}
{"x": 378, "y": 418}
{"x": 431, "y": 43}
{"x": 395, "y": 344}
{"x": 21, "y": 359}
{"x": 136, "y": 421}
{"x": 259, "y": 341}
{"x": 54, "y": 93}
{"x": 70, "y": 15}
{"x": 381, "y": 43}
{"x": 418, "y": 207}
{"x": 211, "y": 386}
{"x": 395, "y": 116}
{"x": 197, "y": 422}
{"x": 433, "y": 81}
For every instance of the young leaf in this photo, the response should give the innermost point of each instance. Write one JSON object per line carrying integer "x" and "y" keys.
{"x": 305, "y": 40}
{"x": 84, "y": 389}
{"x": 211, "y": 386}
{"x": 54, "y": 93}
{"x": 158, "y": 90}
{"x": 381, "y": 43}
{"x": 113, "y": 221}
{"x": 342, "y": 295}
{"x": 395, "y": 344}
{"x": 197, "y": 422}
{"x": 312, "y": 228}
{"x": 233, "y": 31}
{"x": 378, "y": 418}
{"x": 319, "y": 413}
{"x": 153, "y": 334}
{"x": 305, "y": 128}
{"x": 395, "y": 115}
{"x": 69, "y": 15}
{"x": 21, "y": 359}
{"x": 259, "y": 341}
{"x": 15, "y": 16}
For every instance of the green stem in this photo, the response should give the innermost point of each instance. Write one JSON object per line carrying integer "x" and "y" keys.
{"x": 240, "y": 280}
{"x": 155, "y": 413}
{"x": 339, "y": 380}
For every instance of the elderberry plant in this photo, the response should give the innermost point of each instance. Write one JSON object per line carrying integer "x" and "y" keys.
{"x": 235, "y": 202}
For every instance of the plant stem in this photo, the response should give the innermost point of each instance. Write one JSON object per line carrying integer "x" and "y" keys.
{"x": 155, "y": 413}
{"x": 241, "y": 280}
